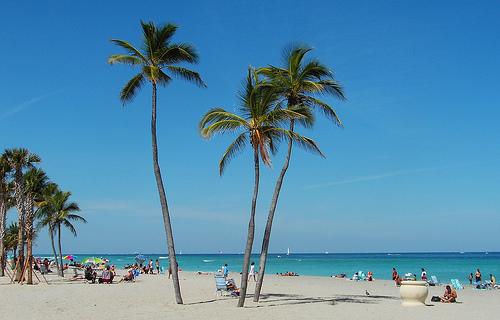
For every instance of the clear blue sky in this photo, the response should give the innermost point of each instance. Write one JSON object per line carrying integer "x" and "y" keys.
{"x": 417, "y": 166}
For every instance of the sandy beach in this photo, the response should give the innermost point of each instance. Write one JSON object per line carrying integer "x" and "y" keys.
{"x": 151, "y": 297}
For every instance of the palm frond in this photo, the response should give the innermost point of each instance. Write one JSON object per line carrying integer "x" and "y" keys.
{"x": 70, "y": 227}
{"x": 304, "y": 142}
{"x": 328, "y": 111}
{"x": 124, "y": 59}
{"x": 187, "y": 74}
{"x": 176, "y": 53}
{"x": 218, "y": 114}
{"x": 130, "y": 48}
{"x": 234, "y": 148}
{"x": 131, "y": 88}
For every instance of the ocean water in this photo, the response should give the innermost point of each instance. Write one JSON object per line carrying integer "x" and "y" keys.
{"x": 444, "y": 265}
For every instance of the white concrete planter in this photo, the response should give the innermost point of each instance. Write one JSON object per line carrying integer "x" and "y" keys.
{"x": 413, "y": 293}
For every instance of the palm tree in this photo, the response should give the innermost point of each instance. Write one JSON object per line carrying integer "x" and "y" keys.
{"x": 46, "y": 216}
{"x": 35, "y": 181}
{"x": 20, "y": 159}
{"x": 4, "y": 201}
{"x": 62, "y": 214}
{"x": 259, "y": 123}
{"x": 299, "y": 82}
{"x": 158, "y": 61}
{"x": 11, "y": 238}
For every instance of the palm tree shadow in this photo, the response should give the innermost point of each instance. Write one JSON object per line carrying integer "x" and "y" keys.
{"x": 273, "y": 300}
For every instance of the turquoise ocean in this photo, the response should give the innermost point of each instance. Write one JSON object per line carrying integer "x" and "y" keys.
{"x": 445, "y": 266}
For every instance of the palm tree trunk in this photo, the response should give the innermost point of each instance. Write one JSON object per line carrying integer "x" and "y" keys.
{"x": 61, "y": 267}
{"x": 164, "y": 205}
{"x": 19, "y": 190}
{"x": 270, "y": 217}
{"x": 251, "y": 231}
{"x": 3, "y": 221}
{"x": 29, "y": 240}
{"x": 51, "y": 234}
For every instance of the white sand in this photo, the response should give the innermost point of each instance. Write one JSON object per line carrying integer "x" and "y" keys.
{"x": 151, "y": 297}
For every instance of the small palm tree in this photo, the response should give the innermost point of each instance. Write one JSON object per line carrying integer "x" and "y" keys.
{"x": 35, "y": 182}
{"x": 61, "y": 213}
{"x": 158, "y": 62}
{"x": 45, "y": 216}
{"x": 4, "y": 206}
{"x": 11, "y": 239}
{"x": 299, "y": 82}
{"x": 19, "y": 160}
{"x": 258, "y": 123}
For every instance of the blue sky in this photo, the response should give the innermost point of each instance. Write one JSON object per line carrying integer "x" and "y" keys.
{"x": 416, "y": 167}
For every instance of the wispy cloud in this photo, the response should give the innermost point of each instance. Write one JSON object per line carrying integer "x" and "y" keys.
{"x": 371, "y": 177}
{"x": 20, "y": 107}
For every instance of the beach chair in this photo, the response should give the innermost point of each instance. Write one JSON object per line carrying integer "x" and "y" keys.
{"x": 456, "y": 284}
{"x": 434, "y": 281}
{"x": 220, "y": 285}
{"x": 136, "y": 273}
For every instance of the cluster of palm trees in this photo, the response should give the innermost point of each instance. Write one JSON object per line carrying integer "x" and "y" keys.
{"x": 39, "y": 203}
{"x": 273, "y": 102}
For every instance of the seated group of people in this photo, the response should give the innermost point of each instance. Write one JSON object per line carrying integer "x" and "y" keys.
{"x": 361, "y": 276}
{"x": 107, "y": 275}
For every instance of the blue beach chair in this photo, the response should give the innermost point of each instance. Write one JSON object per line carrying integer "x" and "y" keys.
{"x": 456, "y": 284}
{"x": 220, "y": 285}
{"x": 434, "y": 281}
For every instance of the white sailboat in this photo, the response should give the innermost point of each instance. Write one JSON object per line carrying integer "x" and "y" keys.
{"x": 288, "y": 252}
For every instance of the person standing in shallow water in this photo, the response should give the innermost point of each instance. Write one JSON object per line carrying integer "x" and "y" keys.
{"x": 478, "y": 276}
{"x": 157, "y": 266}
{"x": 471, "y": 277}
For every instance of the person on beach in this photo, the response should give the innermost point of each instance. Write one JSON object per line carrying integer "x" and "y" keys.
{"x": 477, "y": 276}
{"x": 450, "y": 295}
{"x": 150, "y": 264}
{"x": 471, "y": 277}
{"x": 157, "y": 266}
{"x": 252, "y": 272}
{"x": 423, "y": 275}
{"x": 369, "y": 276}
{"x": 225, "y": 270}
{"x": 493, "y": 280}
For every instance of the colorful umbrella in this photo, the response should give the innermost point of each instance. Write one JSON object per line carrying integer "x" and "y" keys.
{"x": 140, "y": 258}
{"x": 93, "y": 260}
{"x": 69, "y": 257}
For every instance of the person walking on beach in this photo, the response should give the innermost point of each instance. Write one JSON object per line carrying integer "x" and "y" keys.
{"x": 150, "y": 265}
{"x": 395, "y": 277}
{"x": 252, "y": 272}
{"x": 423, "y": 276}
{"x": 157, "y": 266}
{"x": 471, "y": 277}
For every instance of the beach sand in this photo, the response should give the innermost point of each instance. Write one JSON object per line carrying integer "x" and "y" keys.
{"x": 151, "y": 297}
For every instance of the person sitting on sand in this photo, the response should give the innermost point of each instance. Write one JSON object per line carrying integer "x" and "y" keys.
{"x": 129, "y": 276}
{"x": 369, "y": 276}
{"x": 106, "y": 276}
{"x": 450, "y": 295}
{"x": 231, "y": 285}
{"x": 89, "y": 274}
{"x": 493, "y": 280}
{"x": 423, "y": 275}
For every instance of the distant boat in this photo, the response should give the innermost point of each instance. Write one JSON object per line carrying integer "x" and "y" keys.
{"x": 279, "y": 256}
{"x": 220, "y": 251}
{"x": 288, "y": 251}
{"x": 326, "y": 252}
{"x": 180, "y": 252}
{"x": 486, "y": 253}
{"x": 461, "y": 252}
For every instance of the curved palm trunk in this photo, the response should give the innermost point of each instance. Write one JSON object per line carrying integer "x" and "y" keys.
{"x": 270, "y": 217}
{"x": 61, "y": 268}
{"x": 19, "y": 193}
{"x": 3, "y": 221}
{"x": 164, "y": 205}
{"x": 51, "y": 234}
{"x": 251, "y": 231}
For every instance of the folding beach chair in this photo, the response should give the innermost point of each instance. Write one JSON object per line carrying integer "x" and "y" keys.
{"x": 434, "y": 281}
{"x": 456, "y": 284}
{"x": 220, "y": 286}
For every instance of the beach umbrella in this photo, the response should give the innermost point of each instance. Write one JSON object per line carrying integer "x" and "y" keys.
{"x": 93, "y": 260}
{"x": 140, "y": 258}
{"x": 69, "y": 257}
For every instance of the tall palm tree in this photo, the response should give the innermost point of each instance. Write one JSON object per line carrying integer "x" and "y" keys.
{"x": 158, "y": 62}
{"x": 299, "y": 82}
{"x": 46, "y": 216}
{"x": 35, "y": 182}
{"x": 20, "y": 159}
{"x": 259, "y": 123}
{"x": 62, "y": 212}
{"x": 4, "y": 200}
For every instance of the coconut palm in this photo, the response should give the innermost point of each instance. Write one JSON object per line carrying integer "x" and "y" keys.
{"x": 20, "y": 159}
{"x": 11, "y": 238}
{"x": 4, "y": 204}
{"x": 258, "y": 123}
{"x": 158, "y": 62}
{"x": 35, "y": 182}
{"x": 61, "y": 212}
{"x": 299, "y": 82}
{"x": 46, "y": 217}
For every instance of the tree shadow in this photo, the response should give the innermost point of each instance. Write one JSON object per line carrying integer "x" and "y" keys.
{"x": 272, "y": 300}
